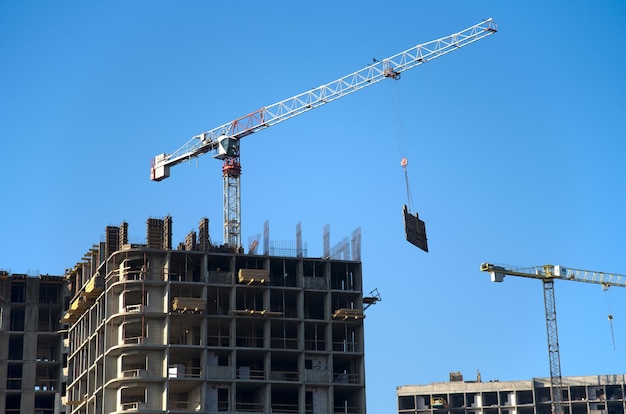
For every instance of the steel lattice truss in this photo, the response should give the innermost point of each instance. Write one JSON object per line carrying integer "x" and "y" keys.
{"x": 556, "y": 382}
{"x": 563, "y": 273}
{"x": 390, "y": 67}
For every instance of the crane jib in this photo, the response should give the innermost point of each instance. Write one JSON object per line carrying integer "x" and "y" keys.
{"x": 248, "y": 124}
{"x": 367, "y": 76}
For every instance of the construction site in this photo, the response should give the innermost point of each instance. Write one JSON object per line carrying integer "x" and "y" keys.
{"x": 555, "y": 394}
{"x": 159, "y": 326}
{"x": 196, "y": 328}
{"x": 202, "y": 327}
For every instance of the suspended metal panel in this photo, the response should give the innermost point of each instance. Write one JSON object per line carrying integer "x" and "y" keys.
{"x": 415, "y": 230}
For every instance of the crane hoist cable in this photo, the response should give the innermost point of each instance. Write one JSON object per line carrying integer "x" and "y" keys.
{"x": 398, "y": 116}
{"x": 404, "y": 163}
{"x": 399, "y": 124}
{"x": 605, "y": 288}
{"x": 612, "y": 332}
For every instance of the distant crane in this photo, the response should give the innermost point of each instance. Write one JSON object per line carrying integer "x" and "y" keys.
{"x": 547, "y": 274}
{"x": 224, "y": 140}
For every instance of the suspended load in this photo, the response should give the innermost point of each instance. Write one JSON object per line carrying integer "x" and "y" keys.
{"x": 415, "y": 229}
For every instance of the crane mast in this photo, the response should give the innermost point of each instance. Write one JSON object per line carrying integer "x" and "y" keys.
{"x": 547, "y": 274}
{"x": 223, "y": 141}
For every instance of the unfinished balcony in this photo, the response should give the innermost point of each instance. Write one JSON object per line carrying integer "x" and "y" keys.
{"x": 284, "y": 368}
{"x": 183, "y": 402}
{"x": 250, "y": 398}
{"x": 347, "y": 402}
{"x": 346, "y": 338}
{"x": 218, "y": 301}
{"x": 250, "y": 301}
{"x": 133, "y": 399}
{"x": 218, "y": 366}
{"x": 184, "y": 331}
{"x": 218, "y": 333}
{"x": 315, "y": 336}
{"x": 284, "y": 303}
{"x": 134, "y": 366}
{"x": 284, "y": 334}
{"x": 185, "y": 267}
{"x": 47, "y": 377}
{"x": 346, "y": 370}
{"x": 133, "y": 333}
{"x": 249, "y": 333}
{"x": 48, "y": 348}
{"x": 283, "y": 272}
{"x": 251, "y": 366}
{"x": 184, "y": 364}
{"x": 284, "y": 399}
{"x": 134, "y": 299}
{"x": 344, "y": 276}
{"x": 14, "y": 376}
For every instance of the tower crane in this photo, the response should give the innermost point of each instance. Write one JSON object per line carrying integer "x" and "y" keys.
{"x": 548, "y": 274}
{"x": 223, "y": 141}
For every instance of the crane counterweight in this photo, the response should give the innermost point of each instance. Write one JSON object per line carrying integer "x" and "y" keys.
{"x": 159, "y": 170}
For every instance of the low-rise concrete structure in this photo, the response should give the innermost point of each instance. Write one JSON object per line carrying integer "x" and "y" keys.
{"x": 598, "y": 394}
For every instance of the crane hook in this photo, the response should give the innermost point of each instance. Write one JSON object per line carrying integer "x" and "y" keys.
{"x": 612, "y": 333}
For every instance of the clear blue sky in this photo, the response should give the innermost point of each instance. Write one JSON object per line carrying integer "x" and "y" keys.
{"x": 515, "y": 148}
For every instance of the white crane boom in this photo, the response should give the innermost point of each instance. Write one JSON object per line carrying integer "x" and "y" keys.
{"x": 224, "y": 140}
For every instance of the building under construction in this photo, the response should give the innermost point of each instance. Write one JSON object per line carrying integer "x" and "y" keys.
{"x": 32, "y": 351}
{"x": 598, "y": 394}
{"x": 205, "y": 328}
